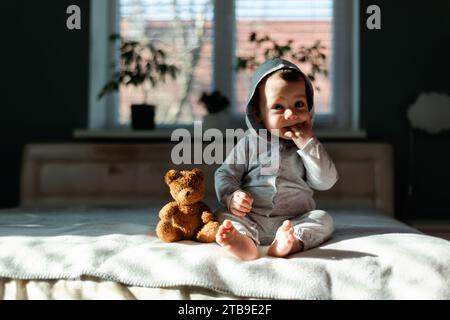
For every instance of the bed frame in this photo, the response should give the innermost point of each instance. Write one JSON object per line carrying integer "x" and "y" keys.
{"x": 84, "y": 173}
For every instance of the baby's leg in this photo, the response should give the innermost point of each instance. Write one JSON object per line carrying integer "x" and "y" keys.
{"x": 236, "y": 243}
{"x": 285, "y": 242}
{"x": 313, "y": 228}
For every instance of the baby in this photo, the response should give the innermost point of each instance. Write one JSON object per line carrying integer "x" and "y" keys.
{"x": 275, "y": 209}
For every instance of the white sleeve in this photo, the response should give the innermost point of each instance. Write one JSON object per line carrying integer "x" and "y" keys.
{"x": 321, "y": 173}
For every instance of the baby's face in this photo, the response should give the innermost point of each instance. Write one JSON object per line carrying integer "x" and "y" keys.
{"x": 282, "y": 104}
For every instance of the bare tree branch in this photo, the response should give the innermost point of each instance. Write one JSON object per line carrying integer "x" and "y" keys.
{"x": 190, "y": 54}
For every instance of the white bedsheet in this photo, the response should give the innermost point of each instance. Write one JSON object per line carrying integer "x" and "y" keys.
{"x": 369, "y": 257}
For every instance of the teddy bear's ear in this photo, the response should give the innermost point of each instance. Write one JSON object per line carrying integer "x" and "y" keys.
{"x": 171, "y": 175}
{"x": 198, "y": 173}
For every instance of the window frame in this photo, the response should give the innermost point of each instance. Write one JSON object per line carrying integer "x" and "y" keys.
{"x": 104, "y": 16}
{"x": 104, "y": 21}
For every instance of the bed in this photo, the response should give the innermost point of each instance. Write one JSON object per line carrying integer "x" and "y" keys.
{"x": 85, "y": 230}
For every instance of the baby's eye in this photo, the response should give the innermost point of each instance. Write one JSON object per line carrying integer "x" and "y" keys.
{"x": 277, "y": 107}
{"x": 299, "y": 104}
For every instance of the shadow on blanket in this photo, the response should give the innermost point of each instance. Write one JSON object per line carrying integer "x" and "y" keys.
{"x": 332, "y": 254}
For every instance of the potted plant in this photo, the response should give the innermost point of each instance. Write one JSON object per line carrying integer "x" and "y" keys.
{"x": 144, "y": 66}
{"x": 215, "y": 104}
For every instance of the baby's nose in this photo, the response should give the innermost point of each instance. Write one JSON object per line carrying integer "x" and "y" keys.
{"x": 288, "y": 114}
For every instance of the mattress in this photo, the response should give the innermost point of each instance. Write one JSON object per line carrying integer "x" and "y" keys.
{"x": 113, "y": 253}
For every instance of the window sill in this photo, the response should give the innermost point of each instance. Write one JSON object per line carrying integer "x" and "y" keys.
{"x": 166, "y": 132}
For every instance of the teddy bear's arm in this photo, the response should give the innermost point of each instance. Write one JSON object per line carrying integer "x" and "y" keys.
{"x": 207, "y": 214}
{"x": 168, "y": 211}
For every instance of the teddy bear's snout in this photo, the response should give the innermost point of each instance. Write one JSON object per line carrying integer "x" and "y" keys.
{"x": 188, "y": 195}
{"x": 187, "y": 192}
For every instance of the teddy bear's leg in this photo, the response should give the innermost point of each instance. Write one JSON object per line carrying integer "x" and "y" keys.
{"x": 167, "y": 232}
{"x": 208, "y": 232}
{"x": 207, "y": 217}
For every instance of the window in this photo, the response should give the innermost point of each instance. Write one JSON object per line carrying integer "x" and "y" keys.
{"x": 183, "y": 29}
{"x": 205, "y": 36}
{"x": 303, "y": 22}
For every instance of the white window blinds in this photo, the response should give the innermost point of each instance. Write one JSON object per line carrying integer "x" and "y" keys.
{"x": 183, "y": 29}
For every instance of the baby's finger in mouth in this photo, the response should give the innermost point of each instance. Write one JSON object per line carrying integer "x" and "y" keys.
{"x": 297, "y": 130}
{"x": 289, "y": 134}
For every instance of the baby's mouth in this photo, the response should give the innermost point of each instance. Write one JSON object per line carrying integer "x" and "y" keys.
{"x": 289, "y": 127}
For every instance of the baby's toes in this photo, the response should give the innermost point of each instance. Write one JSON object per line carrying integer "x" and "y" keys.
{"x": 221, "y": 232}
{"x": 290, "y": 238}
{"x": 221, "y": 238}
{"x": 227, "y": 224}
{"x": 226, "y": 229}
{"x": 290, "y": 231}
{"x": 286, "y": 225}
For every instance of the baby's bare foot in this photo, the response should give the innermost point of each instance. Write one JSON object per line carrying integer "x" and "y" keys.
{"x": 284, "y": 241}
{"x": 236, "y": 243}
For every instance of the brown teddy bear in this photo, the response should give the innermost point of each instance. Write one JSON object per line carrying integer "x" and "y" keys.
{"x": 186, "y": 218}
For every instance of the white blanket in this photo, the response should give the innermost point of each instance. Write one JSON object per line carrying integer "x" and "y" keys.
{"x": 369, "y": 257}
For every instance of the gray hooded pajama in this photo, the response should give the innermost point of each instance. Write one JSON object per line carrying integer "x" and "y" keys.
{"x": 282, "y": 191}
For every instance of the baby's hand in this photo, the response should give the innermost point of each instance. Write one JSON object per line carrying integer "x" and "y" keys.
{"x": 302, "y": 132}
{"x": 240, "y": 203}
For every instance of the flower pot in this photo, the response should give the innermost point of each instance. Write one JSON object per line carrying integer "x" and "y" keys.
{"x": 143, "y": 116}
{"x": 215, "y": 121}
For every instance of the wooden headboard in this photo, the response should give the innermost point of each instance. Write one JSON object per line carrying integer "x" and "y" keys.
{"x": 75, "y": 173}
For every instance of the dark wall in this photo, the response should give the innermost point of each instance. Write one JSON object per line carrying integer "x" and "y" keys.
{"x": 46, "y": 93}
{"x": 409, "y": 55}
{"x": 44, "y": 81}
